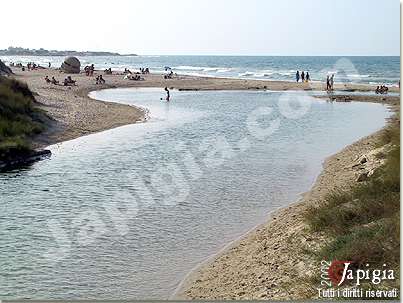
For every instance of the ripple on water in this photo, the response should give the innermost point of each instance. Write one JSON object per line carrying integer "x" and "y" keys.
{"x": 86, "y": 179}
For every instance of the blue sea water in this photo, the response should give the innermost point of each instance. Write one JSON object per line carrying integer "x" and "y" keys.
{"x": 126, "y": 213}
{"x": 374, "y": 70}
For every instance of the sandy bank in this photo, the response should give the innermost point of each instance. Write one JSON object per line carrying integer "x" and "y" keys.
{"x": 270, "y": 262}
{"x": 73, "y": 112}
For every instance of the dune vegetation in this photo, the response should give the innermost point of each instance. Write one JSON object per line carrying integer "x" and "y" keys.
{"x": 20, "y": 118}
{"x": 363, "y": 223}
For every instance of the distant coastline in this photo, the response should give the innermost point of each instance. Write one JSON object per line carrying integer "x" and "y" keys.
{"x": 19, "y": 51}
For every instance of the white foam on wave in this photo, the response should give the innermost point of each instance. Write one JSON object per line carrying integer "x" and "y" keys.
{"x": 188, "y": 67}
{"x": 246, "y": 74}
{"x": 210, "y": 69}
{"x": 358, "y": 76}
{"x": 263, "y": 75}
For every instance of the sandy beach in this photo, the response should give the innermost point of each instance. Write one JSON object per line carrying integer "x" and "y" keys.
{"x": 270, "y": 262}
{"x": 266, "y": 262}
{"x": 75, "y": 114}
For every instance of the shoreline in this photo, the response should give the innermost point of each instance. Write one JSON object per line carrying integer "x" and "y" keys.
{"x": 222, "y": 275}
{"x": 76, "y": 114}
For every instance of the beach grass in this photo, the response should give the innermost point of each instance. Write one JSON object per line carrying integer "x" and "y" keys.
{"x": 363, "y": 223}
{"x": 20, "y": 119}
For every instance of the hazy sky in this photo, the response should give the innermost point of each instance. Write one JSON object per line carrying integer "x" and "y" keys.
{"x": 222, "y": 27}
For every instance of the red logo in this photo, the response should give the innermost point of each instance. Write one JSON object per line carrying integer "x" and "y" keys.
{"x": 336, "y": 270}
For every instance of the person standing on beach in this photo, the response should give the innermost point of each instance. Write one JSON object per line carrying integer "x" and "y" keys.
{"x": 332, "y": 82}
{"x": 327, "y": 83}
{"x": 297, "y": 76}
{"x": 307, "y": 77}
{"x": 168, "y": 95}
{"x": 302, "y": 77}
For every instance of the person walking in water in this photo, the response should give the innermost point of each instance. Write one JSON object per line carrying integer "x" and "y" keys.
{"x": 302, "y": 77}
{"x": 168, "y": 95}
{"x": 297, "y": 76}
{"x": 332, "y": 82}
{"x": 307, "y": 77}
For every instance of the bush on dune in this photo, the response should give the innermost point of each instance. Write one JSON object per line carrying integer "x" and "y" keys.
{"x": 19, "y": 118}
{"x": 363, "y": 223}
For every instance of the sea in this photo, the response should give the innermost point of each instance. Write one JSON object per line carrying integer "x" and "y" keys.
{"x": 372, "y": 70}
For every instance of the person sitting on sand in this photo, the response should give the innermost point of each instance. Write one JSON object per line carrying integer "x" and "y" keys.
{"x": 297, "y": 76}
{"x": 100, "y": 80}
{"x": 68, "y": 81}
{"x": 133, "y": 77}
{"x": 169, "y": 76}
{"x": 108, "y": 71}
{"x": 47, "y": 79}
{"x": 54, "y": 81}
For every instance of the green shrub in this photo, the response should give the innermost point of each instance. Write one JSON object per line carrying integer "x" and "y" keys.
{"x": 362, "y": 224}
{"x": 18, "y": 118}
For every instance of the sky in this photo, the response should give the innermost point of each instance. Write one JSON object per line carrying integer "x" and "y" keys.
{"x": 205, "y": 27}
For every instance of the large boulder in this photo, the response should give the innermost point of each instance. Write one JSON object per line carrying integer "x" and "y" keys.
{"x": 4, "y": 69}
{"x": 71, "y": 65}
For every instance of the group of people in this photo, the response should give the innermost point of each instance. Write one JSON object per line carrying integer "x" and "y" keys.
{"x": 382, "y": 89}
{"x": 144, "y": 71}
{"x": 135, "y": 77}
{"x": 67, "y": 81}
{"x": 170, "y": 75}
{"x": 99, "y": 80}
{"x": 330, "y": 82}
{"x": 89, "y": 70}
{"x": 305, "y": 77}
{"x": 108, "y": 71}
{"x": 53, "y": 80}
{"x": 30, "y": 66}
{"x": 33, "y": 66}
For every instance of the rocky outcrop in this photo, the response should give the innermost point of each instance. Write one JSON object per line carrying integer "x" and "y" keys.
{"x": 71, "y": 65}
{"x": 25, "y": 160}
{"x": 368, "y": 163}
